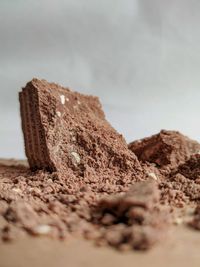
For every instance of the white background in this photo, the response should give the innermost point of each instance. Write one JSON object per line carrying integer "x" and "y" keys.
{"x": 141, "y": 57}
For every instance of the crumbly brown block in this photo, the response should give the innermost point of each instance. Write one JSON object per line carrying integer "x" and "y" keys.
{"x": 67, "y": 132}
{"x": 133, "y": 219}
{"x": 166, "y": 149}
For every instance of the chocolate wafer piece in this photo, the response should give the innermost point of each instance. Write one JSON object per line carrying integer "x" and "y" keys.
{"x": 67, "y": 131}
{"x": 167, "y": 148}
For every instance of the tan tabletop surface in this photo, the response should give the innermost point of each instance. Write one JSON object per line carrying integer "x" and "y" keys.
{"x": 181, "y": 248}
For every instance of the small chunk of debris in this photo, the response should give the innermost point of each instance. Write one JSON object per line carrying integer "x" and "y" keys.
{"x": 17, "y": 190}
{"x": 152, "y": 175}
{"x": 76, "y": 157}
{"x": 58, "y": 113}
{"x": 42, "y": 229}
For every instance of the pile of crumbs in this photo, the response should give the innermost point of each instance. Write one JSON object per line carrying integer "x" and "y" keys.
{"x": 94, "y": 185}
{"x": 41, "y": 203}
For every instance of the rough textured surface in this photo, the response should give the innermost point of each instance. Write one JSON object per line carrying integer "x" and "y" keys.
{"x": 169, "y": 158}
{"x": 182, "y": 185}
{"x": 42, "y": 203}
{"x": 133, "y": 219}
{"x": 85, "y": 181}
{"x": 191, "y": 168}
{"x": 166, "y": 149}
{"x": 67, "y": 132}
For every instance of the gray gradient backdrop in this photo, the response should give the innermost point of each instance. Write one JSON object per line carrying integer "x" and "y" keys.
{"x": 141, "y": 57}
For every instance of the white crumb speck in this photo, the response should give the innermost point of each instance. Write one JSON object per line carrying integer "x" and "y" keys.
{"x": 178, "y": 221}
{"x": 17, "y": 190}
{"x": 76, "y": 157}
{"x": 62, "y": 99}
{"x": 35, "y": 190}
{"x": 67, "y": 99}
{"x": 42, "y": 229}
{"x": 78, "y": 102}
{"x": 58, "y": 113}
{"x": 152, "y": 175}
{"x": 73, "y": 138}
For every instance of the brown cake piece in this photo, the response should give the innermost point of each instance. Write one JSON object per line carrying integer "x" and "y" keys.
{"x": 167, "y": 148}
{"x": 66, "y": 131}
